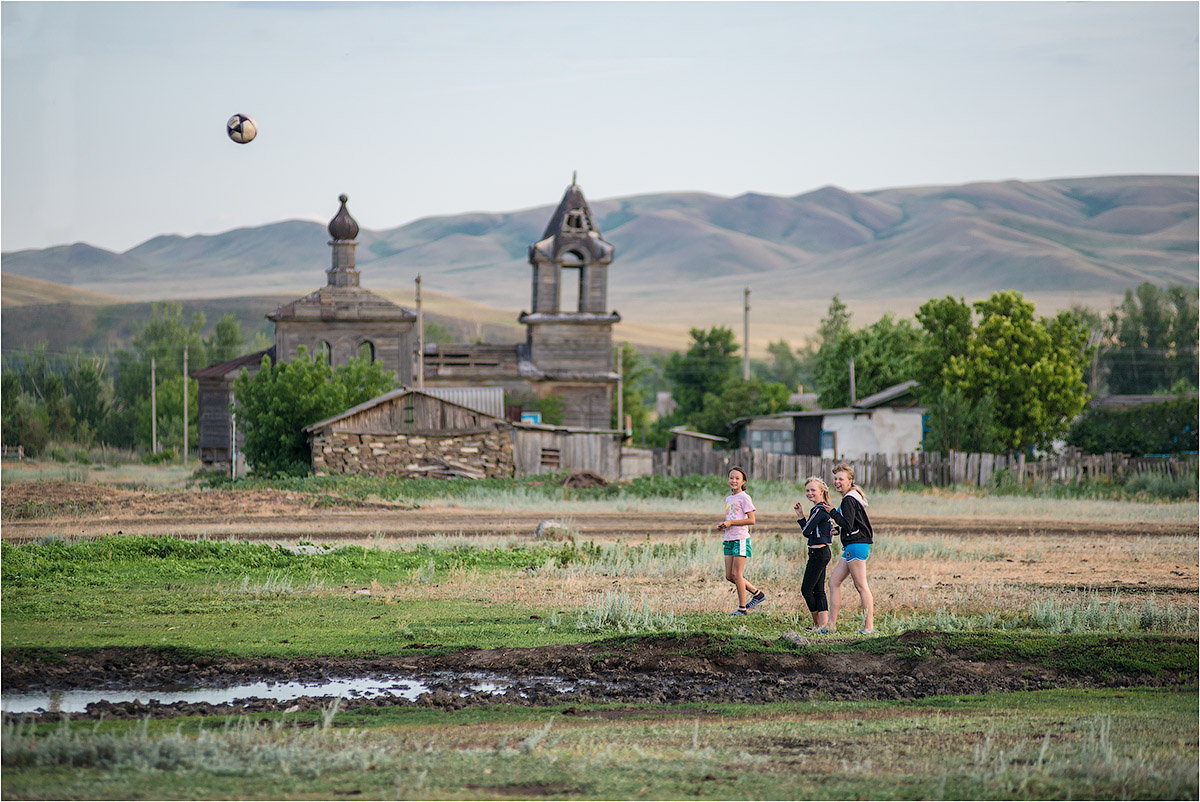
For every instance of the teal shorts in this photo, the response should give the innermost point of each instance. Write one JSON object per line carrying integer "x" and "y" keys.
{"x": 737, "y": 548}
{"x": 857, "y": 551}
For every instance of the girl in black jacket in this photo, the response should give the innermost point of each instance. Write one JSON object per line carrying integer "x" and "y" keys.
{"x": 856, "y": 536}
{"x": 818, "y": 528}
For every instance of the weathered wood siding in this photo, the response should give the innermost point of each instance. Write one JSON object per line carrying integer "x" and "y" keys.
{"x": 538, "y": 451}
{"x": 414, "y": 434}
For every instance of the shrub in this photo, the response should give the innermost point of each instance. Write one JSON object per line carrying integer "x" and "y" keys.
{"x": 1166, "y": 428}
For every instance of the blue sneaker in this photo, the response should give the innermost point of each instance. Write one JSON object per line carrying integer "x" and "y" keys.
{"x": 739, "y": 611}
{"x": 756, "y": 598}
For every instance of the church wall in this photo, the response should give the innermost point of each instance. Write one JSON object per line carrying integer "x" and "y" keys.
{"x": 393, "y": 342}
{"x": 585, "y": 406}
{"x": 571, "y": 347}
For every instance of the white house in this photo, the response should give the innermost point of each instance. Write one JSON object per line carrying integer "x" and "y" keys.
{"x": 888, "y": 422}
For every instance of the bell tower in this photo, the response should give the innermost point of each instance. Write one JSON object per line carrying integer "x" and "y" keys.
{"x": 569, "y": 331}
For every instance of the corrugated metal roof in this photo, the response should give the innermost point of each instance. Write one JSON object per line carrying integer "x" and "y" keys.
{"x": 488, "y": 400}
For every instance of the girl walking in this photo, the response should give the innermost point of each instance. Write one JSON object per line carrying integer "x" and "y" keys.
{"x": 739, "y": 517}
{"x": 856, "y": 536}
{"x": 817, "y": 527}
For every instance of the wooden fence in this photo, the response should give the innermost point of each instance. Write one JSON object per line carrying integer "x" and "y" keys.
{"x": 893, "y": 470}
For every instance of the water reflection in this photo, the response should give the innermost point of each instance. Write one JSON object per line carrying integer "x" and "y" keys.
{"x": 76, "y": 701}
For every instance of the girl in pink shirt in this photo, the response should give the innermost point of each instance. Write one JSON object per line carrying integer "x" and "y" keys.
{"x": 739, "y": 517}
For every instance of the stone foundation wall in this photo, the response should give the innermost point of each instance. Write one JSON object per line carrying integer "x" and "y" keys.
{"x": 477, "y": 455}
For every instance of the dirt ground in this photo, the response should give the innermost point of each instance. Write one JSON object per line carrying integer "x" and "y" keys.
{"x": 90, "y": 510}
{"x": 667, "y": 671}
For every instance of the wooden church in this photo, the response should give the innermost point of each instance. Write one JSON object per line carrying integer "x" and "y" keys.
{"x": 567, "y": 351}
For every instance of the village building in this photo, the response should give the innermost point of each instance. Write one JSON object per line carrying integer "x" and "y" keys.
{"x": 567, "y": 352}
{"x": 888, "y": 422}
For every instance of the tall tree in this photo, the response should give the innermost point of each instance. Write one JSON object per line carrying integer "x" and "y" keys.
{"x": 1151, "y": 340}
{"x": 279, "y": 400}
{"x": 1032, "y": 367}
{"x": 708, "y": 365}
{"x": 883, "y": 356}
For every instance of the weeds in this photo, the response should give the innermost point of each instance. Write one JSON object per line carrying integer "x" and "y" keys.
{"x": 616, "y": 612}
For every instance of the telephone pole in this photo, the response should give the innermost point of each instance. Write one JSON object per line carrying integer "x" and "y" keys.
{"x": 153, "y": 411}
{"x": 185, "y": 406}
{"x": 852, "y": 398}
{"x": 420, "y": 337}
{"x": 746, "y": 338}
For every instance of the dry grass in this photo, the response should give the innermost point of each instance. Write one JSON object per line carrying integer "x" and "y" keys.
{"x": 965, "y": 582}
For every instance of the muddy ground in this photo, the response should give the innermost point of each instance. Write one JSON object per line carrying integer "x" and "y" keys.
{"x": 670, "y": 670}
{"x": 32, "y": 510}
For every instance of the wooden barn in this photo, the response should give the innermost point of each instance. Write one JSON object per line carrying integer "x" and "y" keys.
{"x": 409, "y": 432}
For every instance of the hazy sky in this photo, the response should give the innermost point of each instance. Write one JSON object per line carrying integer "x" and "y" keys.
{"x": 114, "y": 113}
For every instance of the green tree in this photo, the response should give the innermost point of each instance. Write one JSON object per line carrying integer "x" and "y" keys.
{"x": 1151, "y": 341}
{"x": 278, "y": 401}
{"x": 1032, "y": 367}
{"x": 169, "y": 406}
{"x": 883, "y": 356}
{"x": 958, "y": 424}
{"x": 1167, "y": 428}
{"x": 634, "y": 372}
{"x": 708, "y": 365}
{"x": 737, "y": 399}
{"x": 787, "y": 366}
{"x": 225, "y": 343}
{"x": 947, "y": 325}
{"x": 89, "y": 393}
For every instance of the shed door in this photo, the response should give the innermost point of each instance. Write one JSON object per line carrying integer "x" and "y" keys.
{"x": 808, "y": 436}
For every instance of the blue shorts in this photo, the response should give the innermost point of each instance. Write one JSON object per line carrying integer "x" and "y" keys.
{"x": 856, "y": 551}
{"x": 737, "y": 548}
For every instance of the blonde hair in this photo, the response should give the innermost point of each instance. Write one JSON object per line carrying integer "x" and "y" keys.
{"x": 745, "y": 478}
{"x": 820, "y": 483}
{"x": 842, "y": 467}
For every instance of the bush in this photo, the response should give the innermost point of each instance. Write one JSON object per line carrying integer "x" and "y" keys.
{"x": 1166, "y": 428}
{"x": 166, "y": 455}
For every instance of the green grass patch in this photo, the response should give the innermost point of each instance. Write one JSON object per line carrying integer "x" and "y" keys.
{"x": 1131, "y": 743}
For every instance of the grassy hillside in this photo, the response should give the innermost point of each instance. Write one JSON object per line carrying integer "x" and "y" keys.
{"x": 23, "y": 291}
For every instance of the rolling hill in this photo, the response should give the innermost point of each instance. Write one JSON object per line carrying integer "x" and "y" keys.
{"x": 682, "y": 259}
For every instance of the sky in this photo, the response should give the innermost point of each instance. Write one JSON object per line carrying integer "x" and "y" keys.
{"x": 113, "y": 114}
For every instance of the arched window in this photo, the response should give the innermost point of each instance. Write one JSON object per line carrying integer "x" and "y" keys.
{"x": 325, "y": 352}
{"x": 570, "y": 288}
{"x": 366, "y": 350}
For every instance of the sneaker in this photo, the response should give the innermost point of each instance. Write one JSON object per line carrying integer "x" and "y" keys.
{"x": 756, "y": 598}
{"x": 739, "y": 611}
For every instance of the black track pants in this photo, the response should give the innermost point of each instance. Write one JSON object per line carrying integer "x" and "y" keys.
{"x": 813, "y": 586}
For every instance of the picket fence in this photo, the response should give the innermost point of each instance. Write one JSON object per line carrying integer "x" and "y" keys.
{"x": 889, "y": 471}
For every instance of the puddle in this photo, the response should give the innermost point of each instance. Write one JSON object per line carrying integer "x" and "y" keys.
{"x": 76, "y": 701}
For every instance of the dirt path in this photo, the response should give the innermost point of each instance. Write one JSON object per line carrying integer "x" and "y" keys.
{"x": 70, "y": 509}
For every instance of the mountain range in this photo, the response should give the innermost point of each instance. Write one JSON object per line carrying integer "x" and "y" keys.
{"x": 684, "y": 258}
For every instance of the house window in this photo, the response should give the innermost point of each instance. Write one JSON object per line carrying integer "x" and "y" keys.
{"x": 325, "y": 353}
{"x": 829, "y": 442}
{"x": 409, "y": 411}
{"x": 775, "y": 441}
{"x": 366, "y": 351}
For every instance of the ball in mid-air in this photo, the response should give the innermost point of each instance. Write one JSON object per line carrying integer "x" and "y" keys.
{"x": 241, "y": 128}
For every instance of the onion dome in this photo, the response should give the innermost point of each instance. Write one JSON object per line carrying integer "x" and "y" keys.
{"x": 342, "y": 226}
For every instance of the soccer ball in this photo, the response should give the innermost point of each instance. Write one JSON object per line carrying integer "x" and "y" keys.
{"x": 241, "y": 128}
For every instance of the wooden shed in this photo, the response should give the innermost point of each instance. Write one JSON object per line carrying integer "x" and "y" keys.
{"x": 409, "y": 432}
{"x": 216, "y": 427}
{"x": 542, "y": 449}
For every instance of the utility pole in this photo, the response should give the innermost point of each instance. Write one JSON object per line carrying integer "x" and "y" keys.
{"x": 420, "y": 338}
{"x": 746, "y": 338}
{"x": 153, "y": 411}
{"x": 185, "y": 406}
{"x": 853, "y": 398}
{"x": 620, "y": 389}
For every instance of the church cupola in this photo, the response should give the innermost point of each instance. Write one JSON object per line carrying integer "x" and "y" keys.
{"x": 343, "y": 229}
{"x": 570, "y": 262}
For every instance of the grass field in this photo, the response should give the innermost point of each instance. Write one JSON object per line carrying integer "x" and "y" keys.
{"x": 1091, "y": 609}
